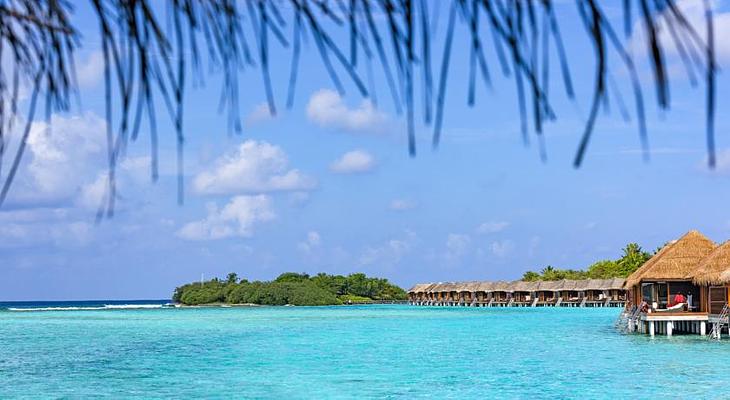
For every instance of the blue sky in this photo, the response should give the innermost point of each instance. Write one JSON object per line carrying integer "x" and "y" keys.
{"x": 329, "y": 186}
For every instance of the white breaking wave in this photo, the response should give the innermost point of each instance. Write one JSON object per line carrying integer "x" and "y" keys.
{"x": 104, "y": 307}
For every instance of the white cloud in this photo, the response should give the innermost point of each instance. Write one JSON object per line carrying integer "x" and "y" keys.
{"x": 492, "y": 227}
{"x": 312, "y": 241}
{"x": 90, "y": 72}
{"x": 66, "y": 163}
{"x": 391, "y": 252}
{"x": 502, "y": 248}
{"x": 63, "y": 158}
{"x": 402, "y": 205}
{"x": 92, "y": 194}
{"x": 42, "y": 226}
{"x": 138, "y": 168}
{"x": 255, "y": 167}
{"x": 259, "y": 114}
{"x": 694, "y": 12}
{"x": 356, "y": 161}
{"x": 235, "y": 219}
{"x": 722, "y": 163}
{"x": 328, "y": 109}
{"x": 457, "y": 245}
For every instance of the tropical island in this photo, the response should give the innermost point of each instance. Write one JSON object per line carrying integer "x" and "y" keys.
{"x": 290, "y": 288}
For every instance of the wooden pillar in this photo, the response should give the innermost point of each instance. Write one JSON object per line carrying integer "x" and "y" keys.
{"x": 651, "y": 328}
{"x": 670, "y": 328}
{"x": 703, "y": 328}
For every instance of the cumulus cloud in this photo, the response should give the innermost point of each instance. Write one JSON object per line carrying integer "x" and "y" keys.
{"x": 457, "y": 245}
{"x": 722, "y": 163}
{"x": 352, "y": 162}
{"x": 63, "y": 158}
{"x": 92, "y": 194}
{"x": 235, "y": 219}
{"x": 65, "y": 164}
{"x": 502, "y": 248}
{"x": 328, "y": 109}
{"x": 492, "y": 227}
{"x": 694, "y": 13}
{"x": 391, "y": 252}
{"x": 402, "y": 205}
{"x": 91, "y": 71}
{"x": 259, "y": 114}
{"x": 42, "y": 226}
{"x": 254, "y": 167}
{"x": 312, "y": 241}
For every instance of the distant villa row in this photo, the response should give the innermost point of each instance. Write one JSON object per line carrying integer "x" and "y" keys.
{"x": 562, "y": 293}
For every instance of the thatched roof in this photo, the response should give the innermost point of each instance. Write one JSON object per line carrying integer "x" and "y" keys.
{"x": 438, "y": 287}
{"x": 469, "y": 287}
{"x": 420, "y": 288}
{"x": 715, "y": 268}
{"x": 587, "y": 284}
{"x": 502, "y": 286}
{"x": 485, "y": 286}
{"x": 523, "y": 286}
{"x": 565, "y": 284}
{"x": 615, "y": 283}
{"x": 547, "y": 286}
{"x": 675, "y": 261}
{"x": 450, "y": 287}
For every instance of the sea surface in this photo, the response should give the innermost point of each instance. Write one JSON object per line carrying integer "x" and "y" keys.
{"x": 143, "y": 350}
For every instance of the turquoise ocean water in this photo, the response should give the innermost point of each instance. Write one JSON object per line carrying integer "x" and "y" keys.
{"x": 347, "y": 352}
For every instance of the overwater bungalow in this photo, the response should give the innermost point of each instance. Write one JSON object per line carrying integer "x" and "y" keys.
{"x": 654, "y": 286}
{"x": 451, "y": 293}
{"x": 713, "y": 277}
{"x": 569, "y": 293}
{"x": 418, "y": 294}
{"x": 523, "y": 293}
{"x": 502, "y": 293}
{"x": 439, "y": 293}
{"x": 468, "y": 293}
{"x": 547, "y": 293}
{"x": 484, "y": 293}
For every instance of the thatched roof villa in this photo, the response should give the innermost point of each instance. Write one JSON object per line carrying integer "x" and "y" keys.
{"x": 714, "y": 270}
{"x": 713, "y": 273}
{"x": 681, "y": 288}
{"x": 670, "y": 271}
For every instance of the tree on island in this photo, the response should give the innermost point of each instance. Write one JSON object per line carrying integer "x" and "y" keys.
{"x": 290, "y": 288}
{"x": 633, "y": 257}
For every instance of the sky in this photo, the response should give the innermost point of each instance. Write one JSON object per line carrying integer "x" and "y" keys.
{"x": 328, "y": 185}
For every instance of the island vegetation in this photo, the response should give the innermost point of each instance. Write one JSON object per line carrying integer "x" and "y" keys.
{"x": 632, "y": 257}
{"x": 290, "y": 288}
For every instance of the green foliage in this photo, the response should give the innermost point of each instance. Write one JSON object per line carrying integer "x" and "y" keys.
{"x": 352, "y": 299}
{"x": 290, "y": 288}
{"x": 292, "y": 277}
{"x": 632, "y": 257}
{"x": 531, "y": 276}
